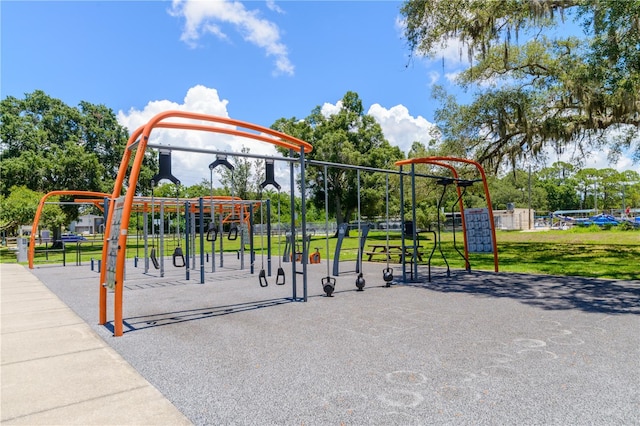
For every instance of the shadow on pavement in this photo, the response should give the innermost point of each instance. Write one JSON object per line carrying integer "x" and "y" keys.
{"x": 157, "y": 320}
{"x": 546, "y": 292}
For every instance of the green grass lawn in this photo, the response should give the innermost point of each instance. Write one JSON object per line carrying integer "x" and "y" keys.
{"x": 581, "y": 252}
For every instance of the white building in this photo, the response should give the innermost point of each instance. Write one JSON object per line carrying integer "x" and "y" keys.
{"x": 87, "y": 224}
{"x": 514, "y": 219}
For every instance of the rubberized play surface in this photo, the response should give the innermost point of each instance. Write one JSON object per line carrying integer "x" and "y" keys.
{"x": 474, "y": 348}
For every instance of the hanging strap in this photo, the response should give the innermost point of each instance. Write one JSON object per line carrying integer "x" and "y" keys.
{"x": 178, "y": 212}
{"x": 154, "y": 259}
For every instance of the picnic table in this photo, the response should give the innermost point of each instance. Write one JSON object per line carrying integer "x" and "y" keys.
{"x": 391, "y": 251}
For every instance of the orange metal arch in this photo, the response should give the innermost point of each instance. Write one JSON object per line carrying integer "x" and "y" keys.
{"x": 36, "y": 219}
{"x": 232, "y": 132}
{"x": 478, "y": 166}
{"x": 140, "y": 137}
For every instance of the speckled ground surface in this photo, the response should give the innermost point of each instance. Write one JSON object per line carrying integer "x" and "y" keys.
{"x": 472, "y": 348}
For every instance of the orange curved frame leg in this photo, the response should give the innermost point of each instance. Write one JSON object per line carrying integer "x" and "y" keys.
{"x": 36, "y": 219}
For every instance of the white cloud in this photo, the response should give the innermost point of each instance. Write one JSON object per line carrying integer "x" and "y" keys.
{"x": 454, "y": 53}
{"x": 202, "y": 17}
{"x": 401, "y": 128}
{"x": 191, "y": 168}
{"x": 434, "y": 76}
{"x": 328, "y": 109}
{"x": 452, "y": 77}
{"x": 597, "y": 160}
{"x": 271, "y": 4}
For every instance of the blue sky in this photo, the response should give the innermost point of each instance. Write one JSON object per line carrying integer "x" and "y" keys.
{"x": 255, "y": 61}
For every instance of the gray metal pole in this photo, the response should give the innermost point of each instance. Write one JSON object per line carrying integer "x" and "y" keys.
{"x": 187, "y": 234}
{"x": 162, "y": 238}
{"x": 220, "y": 237}
{"x": 252, "y": 253}
{"x": 305, "y": 248}
{"x": 213, "y": 243}
{"x": 292, "y": 199}
{"x": 201, "y": 205}
{"x": 192, "y": 227}
{"x": 404, "y": 270}
{"x": 414, "y": 263}
{"x": 358, "y": 256}
{"x": 145, "y": 230}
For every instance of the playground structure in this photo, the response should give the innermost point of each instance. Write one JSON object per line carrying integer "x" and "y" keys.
{"x": 231, "y": 217}
{"x": 114, "y": 248}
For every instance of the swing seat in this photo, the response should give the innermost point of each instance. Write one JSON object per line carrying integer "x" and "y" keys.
{"x": 154, "y": 259}
{"x": 280, "y": 277}
{"x": 178, "y": 258}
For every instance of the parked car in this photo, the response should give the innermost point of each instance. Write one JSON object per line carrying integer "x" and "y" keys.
{"x": 72, "y": 238}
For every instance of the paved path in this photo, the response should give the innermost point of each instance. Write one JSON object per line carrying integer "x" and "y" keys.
{"x": 56, "y": 370}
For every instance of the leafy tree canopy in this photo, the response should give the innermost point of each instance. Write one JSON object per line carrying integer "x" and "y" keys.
{"x": 47, "y": 145}
{"x": 19, "y": 208}
{"x": 349, "y": 137}
{"x": 535, "y": 90}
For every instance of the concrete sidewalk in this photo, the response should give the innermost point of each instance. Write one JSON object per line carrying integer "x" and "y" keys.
{"x": 56, "y": 370}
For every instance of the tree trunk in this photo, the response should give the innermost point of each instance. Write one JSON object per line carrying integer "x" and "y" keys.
{"x": 339, "y": 217}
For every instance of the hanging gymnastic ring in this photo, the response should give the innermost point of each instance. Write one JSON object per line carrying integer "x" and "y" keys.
{"x": 178, "y": 258}
{"x": 262, "y": 278}
{"x": 212, "y": 232}
{"x": 280, "y": 275}
{"x": 233, "y": 233}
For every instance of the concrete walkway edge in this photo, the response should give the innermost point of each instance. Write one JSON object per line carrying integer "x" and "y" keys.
{"x": 56, "y": 370}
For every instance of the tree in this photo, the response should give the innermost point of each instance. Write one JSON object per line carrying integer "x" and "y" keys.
{"x": 630, "y": 186}
{"x": 348, "y": 137}
{"x": 47, "y": 145}
{"x": 19, "y": 208}
{"x": 544, "y": 92}
{"x": 514, "y": 188}
{"x": 587, "y": 187}
{"x": 245, "y": 178}
{"x": 560, "y": 185}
